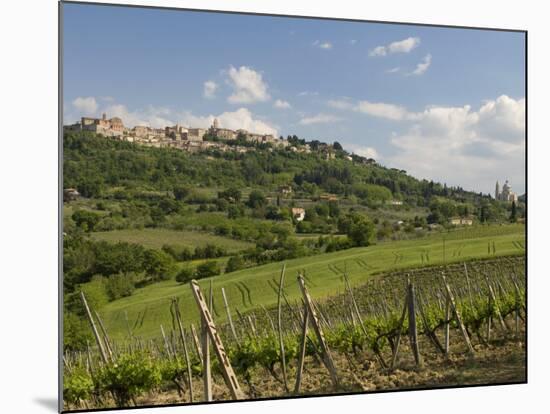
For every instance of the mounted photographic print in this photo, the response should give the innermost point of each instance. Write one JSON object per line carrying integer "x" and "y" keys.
{"x": 261, "y": 206}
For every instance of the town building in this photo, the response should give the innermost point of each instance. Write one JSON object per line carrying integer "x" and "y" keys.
{"x": 107, "y": 127}
{"x": 194, "y": 134}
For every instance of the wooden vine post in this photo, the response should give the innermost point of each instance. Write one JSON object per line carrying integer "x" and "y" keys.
{"x": 457, "y": 316}
{"x": 280, "y": 328}
{"x": 302, "y": 355}
{"x": 327, "y": 357}
{"x": 447, "y": 325}
{"x": 198, "y": 347}
{"x": 94, "y": 329}
{"x": 105, "y": 336}
{"x": 413, "y": 333}
{"x": 207, "y": 373}
{"x": 227, "y": 310}
{"x": 225, "y": 366}
{"x": 399, "y": 327}
{"x": 185, "y": 351}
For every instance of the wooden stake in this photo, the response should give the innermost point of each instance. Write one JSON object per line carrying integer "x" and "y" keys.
{"x": 105, "y": 336}
{"x": 327, "y": 357}
{"x": 207, "y": 375}
{"x": 447, "y": 325}
{"x": 400, "y": 327}
{"x": 198, "y": 347}
{"x": 94, "y": 329}
{"x": 227, "y": 370}
{"x": 279, "y": 327}
{"x": 457, "y": 316}
{"x": 302, "y": 355}
{"x": 229, "y": 317}
{"x": 166, "y": 346}
{"x": 413, "y": 334}
{"x": 185, "y": 351}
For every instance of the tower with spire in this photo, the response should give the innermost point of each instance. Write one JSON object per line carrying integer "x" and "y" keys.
{"x": 497, "y": 191}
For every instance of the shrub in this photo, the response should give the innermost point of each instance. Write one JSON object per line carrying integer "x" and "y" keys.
{"x": 86, "y": 220}
{"x": 120, "y": 285}
{"x": 131, "y": 375}
{"x": 77, "y": 386}
{"x": 235, "y": 263}
{"x": 185, "y": 274}
{"x": 207, "y": 269}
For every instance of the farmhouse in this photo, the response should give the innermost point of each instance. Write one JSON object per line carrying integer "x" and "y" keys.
{"x": 298, "y": 213}
{"x": 328, "y": 197}
{"x": 285, "y": 190}
{"x": 461, "y": 221}
{"x": 70, "y": 194}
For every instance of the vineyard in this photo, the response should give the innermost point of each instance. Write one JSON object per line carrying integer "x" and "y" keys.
{"x": 249, "y": 289}
{"x": 455, "y": 324}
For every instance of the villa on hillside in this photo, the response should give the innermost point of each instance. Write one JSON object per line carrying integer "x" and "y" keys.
{"x": 298, "y": 213}
{"x": 461, "y": 221}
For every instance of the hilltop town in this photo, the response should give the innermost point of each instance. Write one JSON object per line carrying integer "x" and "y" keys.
{"x": 185, "y": 138}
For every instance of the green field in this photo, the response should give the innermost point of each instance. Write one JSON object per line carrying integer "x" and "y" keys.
{"x": 323, "y": 274}
{"x": 156, "y": 238}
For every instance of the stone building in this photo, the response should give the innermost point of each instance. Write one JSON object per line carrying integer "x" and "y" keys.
{"x": 298, "y": 213}
{"x": 108, "y": 127}
{"x": 506, "y": 194}
{"x": 222, "y": 133}
{"x": 194, "y": 134}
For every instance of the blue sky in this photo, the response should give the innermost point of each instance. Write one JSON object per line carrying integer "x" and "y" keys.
{"x": 443, "y": 104}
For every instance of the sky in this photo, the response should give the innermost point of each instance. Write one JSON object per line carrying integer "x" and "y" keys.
{"x": 444, "y": 104}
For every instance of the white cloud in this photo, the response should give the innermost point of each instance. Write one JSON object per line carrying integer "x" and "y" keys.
{"x": 308, "y": 93}
{"x": 156, "y": 117}
{"x": 401, "y": 46}
{"x": 384, "y": 110}
{"x": 248, "y": 86}
{"x": 86, "y": 106}
{"x": 368, "y": 152}
{"x": 462, "y": 146}
{"x": 319, "y": 119}
{"x": 281, "y": 104}
{"x": 423, "y": 65}
{"x": 353, "y": 41}
{"x": 242, "y": 118}
{"x": 340, "y": 103}
{"x": 393, "y": 70}
{"x": 376, "y": 109}
{"x": 323, "y": 45}
{"x": 209, "y": 89}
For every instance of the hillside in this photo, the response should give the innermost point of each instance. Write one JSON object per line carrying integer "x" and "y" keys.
{"x": 148, "y": 216}
{"x": 252, "y": 288}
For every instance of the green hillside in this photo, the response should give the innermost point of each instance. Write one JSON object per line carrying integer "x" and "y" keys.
{"x": 322, "y": 271}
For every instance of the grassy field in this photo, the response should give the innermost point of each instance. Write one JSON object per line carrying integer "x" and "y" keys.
{"x": 250, "y": 288}
{"x": 156, "y": 238}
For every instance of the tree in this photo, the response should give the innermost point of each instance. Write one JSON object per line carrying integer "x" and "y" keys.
{"x": 86, "y": 220}
{"x": 120, "y": 285}
{"x": 185, "y": 274}
{"x": 181, "y": 192}
{"x": 513, "y": 214}
{"x": 233, "y": 195}
{"x": 337, "y": 146}
{"x": 158, "y": 264}
{"x": 234, "y": 263}
{"x": 361, "y": 230}
{"x": 207, "y": 269}
{"x": 256, "y": 199}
